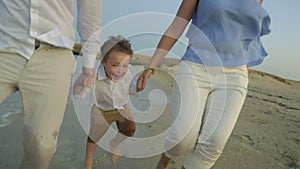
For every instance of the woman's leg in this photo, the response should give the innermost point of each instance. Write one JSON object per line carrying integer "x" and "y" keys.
{"x": 222, "y": 110}
{"x": 188, "y": 103}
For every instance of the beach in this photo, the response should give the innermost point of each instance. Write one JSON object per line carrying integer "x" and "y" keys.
{"x": 266, "y": 136}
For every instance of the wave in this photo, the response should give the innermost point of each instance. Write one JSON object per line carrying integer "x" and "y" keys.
{"x": 6, "y": 118}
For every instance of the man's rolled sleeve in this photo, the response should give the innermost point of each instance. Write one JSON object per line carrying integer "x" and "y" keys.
{"x": 89, "y": 23}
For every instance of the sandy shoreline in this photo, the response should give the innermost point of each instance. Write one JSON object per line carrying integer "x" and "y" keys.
{"x": 266, "y": 135}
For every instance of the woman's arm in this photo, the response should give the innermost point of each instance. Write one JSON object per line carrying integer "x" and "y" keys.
{"x": 174, "y": 31}
{"x": 170, "y": 37}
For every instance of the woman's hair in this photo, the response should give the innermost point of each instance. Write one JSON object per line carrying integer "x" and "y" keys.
{"x": 116, "y": 44}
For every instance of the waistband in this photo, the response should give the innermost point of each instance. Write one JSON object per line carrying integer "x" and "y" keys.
{"x": 106, "y": 111}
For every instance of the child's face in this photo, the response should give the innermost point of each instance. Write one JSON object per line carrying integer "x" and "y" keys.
{"x": 116, "y": 65}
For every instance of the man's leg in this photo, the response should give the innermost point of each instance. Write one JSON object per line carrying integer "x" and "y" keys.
{"x": 11, "y": 65}
{"x": 44, "y": 87}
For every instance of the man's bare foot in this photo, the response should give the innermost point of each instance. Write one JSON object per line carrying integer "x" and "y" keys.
{"x": 114, "y": 151}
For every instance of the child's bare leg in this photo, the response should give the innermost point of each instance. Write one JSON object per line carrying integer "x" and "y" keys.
{"x": 114, "y": 145}
{"x": 126, "y": 129}
{"x": 90, "y": 150}
{"x": 163, "y": 162}
{"x": 98, "y": 128}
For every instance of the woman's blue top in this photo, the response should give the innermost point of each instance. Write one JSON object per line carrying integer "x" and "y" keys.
{"x": 227, "y": 33}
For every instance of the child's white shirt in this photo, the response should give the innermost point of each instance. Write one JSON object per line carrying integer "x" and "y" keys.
{"x": 110, "y": 95}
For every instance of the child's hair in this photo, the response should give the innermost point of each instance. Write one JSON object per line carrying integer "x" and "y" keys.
{"x": 116, "y": 44}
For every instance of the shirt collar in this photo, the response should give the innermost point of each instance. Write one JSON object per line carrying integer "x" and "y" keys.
{"x": 101, "y": 74}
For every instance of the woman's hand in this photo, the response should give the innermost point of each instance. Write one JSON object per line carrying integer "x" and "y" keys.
{"x": 142, "y": 80}
{"x": 261, "y": 1}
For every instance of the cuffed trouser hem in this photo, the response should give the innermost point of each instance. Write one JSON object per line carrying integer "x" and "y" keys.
{"x": 193, "y": 162}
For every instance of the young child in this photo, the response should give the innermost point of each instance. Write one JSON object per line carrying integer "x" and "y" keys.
{"x": 111, "y": 97}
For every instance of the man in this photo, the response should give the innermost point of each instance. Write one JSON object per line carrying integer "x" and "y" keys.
{"x": 36, "y": 58}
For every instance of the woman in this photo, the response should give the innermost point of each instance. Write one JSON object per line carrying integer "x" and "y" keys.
{"x": 211, "y": 82}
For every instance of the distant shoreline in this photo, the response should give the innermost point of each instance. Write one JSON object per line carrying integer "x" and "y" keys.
{"x": 139, "y": 59}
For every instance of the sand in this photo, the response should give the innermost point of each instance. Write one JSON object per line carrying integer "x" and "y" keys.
{"x": 266, "y": 135}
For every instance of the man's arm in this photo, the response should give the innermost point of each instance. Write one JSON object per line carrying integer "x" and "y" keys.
{"x": 88, "y": 26}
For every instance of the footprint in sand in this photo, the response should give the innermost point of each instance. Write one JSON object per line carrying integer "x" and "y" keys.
{"x": 103, "y": 159}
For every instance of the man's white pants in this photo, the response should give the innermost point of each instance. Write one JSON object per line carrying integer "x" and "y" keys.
{"x": 44, "y": 83}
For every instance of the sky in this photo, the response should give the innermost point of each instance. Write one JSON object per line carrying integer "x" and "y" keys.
{"x": 282, "y": 43}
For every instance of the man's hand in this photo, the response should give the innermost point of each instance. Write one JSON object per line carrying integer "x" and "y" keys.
{"x": 85, "y": 80}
